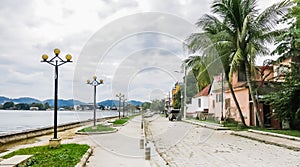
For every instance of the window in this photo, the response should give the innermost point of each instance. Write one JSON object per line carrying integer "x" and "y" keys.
{"x": 220, "y": 97}
{"x": 214, "y": 104}
{"x": 199, "y": 102}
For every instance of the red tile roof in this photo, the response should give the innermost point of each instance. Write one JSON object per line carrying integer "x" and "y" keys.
{"x": 203, "y": 92}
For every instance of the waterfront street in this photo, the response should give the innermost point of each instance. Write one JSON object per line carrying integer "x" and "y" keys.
{"x": 180, "y": 144}
{"x": 184, "y": 144}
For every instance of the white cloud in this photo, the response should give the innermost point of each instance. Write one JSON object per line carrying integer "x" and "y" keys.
{"x": 114, "y": 30}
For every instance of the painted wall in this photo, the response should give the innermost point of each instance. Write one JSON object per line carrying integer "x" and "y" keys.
{"x": 193, "y": 108}
{"x": 242, "y": 96}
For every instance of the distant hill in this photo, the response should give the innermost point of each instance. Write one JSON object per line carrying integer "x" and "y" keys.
{"x": 135, "y": 102}
{"x": 62, "y": 102}
{"x": 26, "y": 100}
{"x": 110, "y": 103}
{"x": 19, "y": 100}
{"x": 3, "y": 99}
{"x": 116, "y": 103}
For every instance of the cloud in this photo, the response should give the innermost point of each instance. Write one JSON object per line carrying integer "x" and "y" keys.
{"x": 120, "y": 41}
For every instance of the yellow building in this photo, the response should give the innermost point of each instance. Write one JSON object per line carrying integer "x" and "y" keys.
{"x": 175, "y": 90}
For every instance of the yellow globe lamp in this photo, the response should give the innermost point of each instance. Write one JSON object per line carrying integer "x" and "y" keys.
{"x": 56, "y": 51}
{"x": 44, "y": 57}
{"x": 95, "y": 77}
{"x": 88, "y": 81}
{"x": 101, "y": 81}
{"x": 68, "y": 57}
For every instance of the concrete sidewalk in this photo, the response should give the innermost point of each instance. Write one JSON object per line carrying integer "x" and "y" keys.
{"x": 114, "y": 149}
{"x": 117, "y": 149}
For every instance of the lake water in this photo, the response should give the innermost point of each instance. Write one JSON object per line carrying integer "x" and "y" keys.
{"x": 18, "y": 120}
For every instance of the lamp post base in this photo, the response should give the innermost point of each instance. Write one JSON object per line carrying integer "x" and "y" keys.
{"x": 54, "y": 143}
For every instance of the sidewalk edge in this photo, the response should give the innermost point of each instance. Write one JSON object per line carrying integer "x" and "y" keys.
{"x": 85, "y": 158}
{"x": 275, "y": 134}
{"x": 267, "y": 142}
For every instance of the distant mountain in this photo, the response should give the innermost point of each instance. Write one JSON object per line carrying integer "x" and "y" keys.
{"x": 116, "y": 103}
{"x": 135, "y": 103}
{"x": 3, "y": 99}
{"x": 110, "y": 103}
{"x": 62, "y": 102}
{"x": 30, "y": 100}
{"x": 26, "y": 100}
{"x": 19, "y": 100}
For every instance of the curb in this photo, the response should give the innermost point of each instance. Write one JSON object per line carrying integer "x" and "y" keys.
{"x": 275, "y": 134}
{"x": 95, "y": 133}
{"x": 84, "y": 158}
{"x": 206, "y": 125}
{"x": 266, "y": 141}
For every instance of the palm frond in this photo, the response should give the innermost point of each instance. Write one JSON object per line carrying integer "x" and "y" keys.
{"x": 269, "y": 18}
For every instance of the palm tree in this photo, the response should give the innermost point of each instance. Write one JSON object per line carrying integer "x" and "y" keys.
{"x": 199, "y": 69}
{"x": 213, "y": 41}
{"x": 239, "y": 36}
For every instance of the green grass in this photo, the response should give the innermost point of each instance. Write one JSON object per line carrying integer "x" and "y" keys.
{"x": 100, "y": 128}
{"x": 65, "y": 156}
{"x": 235, "y": 126}
{"x": 121, "y": 121}
{"x": 295, "y": 133}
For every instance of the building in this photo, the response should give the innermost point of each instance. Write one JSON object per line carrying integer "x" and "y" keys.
{"x": 199, "y": 104}
{"x": 175, "y": 91}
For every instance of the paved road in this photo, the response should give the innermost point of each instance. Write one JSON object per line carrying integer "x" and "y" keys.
{"x": 182, "y": 144}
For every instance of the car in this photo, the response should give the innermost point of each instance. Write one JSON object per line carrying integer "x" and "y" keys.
{"x": 174, "y": 113}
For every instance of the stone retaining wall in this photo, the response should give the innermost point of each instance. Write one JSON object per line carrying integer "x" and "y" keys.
{"x": 12, "y": 137}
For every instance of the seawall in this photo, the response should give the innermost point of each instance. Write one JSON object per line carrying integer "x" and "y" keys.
{"x": 12, "y": 137}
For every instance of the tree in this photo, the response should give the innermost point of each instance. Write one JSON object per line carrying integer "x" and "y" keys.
{"x": 286, "y": 101}
{"x": 146, "y": 105}
{"x": 199, "y": 70}
{"x": 288, "y": 43}
{"x": 8, "y": 105}
{"x": 46, "y": 106}
{"x": 157, "y": 105}
{"x": 22, "y": 106}
{"x": 240, "y": 35}
{"x": 39, "y": 105}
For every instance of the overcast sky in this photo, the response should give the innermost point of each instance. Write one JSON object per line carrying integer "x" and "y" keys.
{"x": 134, "y": 46}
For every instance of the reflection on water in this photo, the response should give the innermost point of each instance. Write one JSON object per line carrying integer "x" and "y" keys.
{"x": 18, "y": 120}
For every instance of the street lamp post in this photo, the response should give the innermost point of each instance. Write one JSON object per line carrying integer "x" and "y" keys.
{"x": 56, "y": 61}
{"x": 222, "y": 109}
{"x": 95, "y": 83}
{"x": 184, "y": 95}
{"x": 184, "y": 89}
{"x": 120, "y": 96}
{"x": 124, "y": 99}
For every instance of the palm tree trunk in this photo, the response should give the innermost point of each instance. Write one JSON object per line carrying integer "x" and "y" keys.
{"x": 255, "y": 109}
{"x": 236, "y": 102}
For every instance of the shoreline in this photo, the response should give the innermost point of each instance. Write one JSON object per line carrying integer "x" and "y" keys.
{"x": 27, "y": 134}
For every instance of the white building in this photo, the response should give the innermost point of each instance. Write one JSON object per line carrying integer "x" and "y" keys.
{"x": 199, "y": 103}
